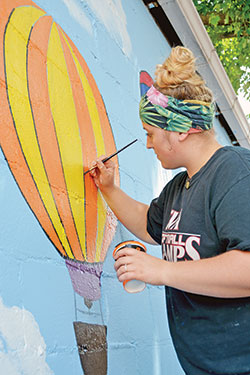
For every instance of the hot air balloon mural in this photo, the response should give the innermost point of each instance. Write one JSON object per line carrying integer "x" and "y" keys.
{"x": 53, "y": 124}
{"x": 145, "y": 82}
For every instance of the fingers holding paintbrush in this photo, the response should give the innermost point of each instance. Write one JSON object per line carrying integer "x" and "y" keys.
{"x": 104, "y": 160}
{"x": 103, "y": 174}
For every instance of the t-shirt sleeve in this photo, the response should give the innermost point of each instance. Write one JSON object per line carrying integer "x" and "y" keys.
{"x": 155, "y": 217}
{"x": 233, "y": 217}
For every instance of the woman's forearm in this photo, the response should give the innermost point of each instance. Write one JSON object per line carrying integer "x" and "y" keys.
{"x": 131, "y": 213}
{"x": 225, "y": 276}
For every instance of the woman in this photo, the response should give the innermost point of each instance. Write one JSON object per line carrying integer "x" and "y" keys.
{"x": 201, "y": 219}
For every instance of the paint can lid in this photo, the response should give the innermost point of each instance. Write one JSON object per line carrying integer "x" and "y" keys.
{"x": 130, "y": 243}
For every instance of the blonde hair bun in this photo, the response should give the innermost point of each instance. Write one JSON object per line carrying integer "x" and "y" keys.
{"x": 177, "y": 77}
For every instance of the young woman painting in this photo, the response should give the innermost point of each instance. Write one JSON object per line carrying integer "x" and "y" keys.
{"x": 201, "y": 219}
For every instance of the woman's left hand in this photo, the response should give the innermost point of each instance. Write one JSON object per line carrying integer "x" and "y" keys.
{"x": 133, "y": 264}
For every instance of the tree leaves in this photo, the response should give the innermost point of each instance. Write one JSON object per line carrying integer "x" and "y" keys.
{"x": 214, "y": 19}
{"x": 228, "y": 25}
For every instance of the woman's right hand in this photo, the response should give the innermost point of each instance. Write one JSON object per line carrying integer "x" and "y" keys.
{"x": 103, "y": 174}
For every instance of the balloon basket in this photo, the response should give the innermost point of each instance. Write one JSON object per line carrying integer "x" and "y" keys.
{"x": 92, "y": 347}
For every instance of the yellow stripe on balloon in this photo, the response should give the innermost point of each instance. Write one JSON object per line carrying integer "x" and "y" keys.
{"x": 17, "y": 34}
{"x": 100, "y": 147}
{"x": 67, "y": 130}
{"x": 90, "y": 100}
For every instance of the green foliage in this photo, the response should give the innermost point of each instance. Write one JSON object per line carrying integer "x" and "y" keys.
{"x": 228, "y": 25}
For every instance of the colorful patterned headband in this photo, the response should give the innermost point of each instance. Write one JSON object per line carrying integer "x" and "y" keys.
{"x": 171, "y": 114}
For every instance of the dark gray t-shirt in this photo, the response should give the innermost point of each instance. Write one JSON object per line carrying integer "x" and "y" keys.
{"x": 211, "y": 335}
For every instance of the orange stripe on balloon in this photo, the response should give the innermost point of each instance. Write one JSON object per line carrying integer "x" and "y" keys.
{"x": 108, "y": 141}
{"x": 38, "y": 91}
{"x": 89, "y": 150}
{"x": 109, "y": 146}
{"x": 106, "y": 128}
{"x": 111, "y": 220}
{"x": 95, "y": 244}
{"x": 11, "y": 146}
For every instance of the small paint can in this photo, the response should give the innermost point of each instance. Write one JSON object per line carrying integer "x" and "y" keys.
{"x": 132, "y": 286}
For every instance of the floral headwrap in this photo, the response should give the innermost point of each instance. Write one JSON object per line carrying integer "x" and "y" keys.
{"x": 172, "y": 114}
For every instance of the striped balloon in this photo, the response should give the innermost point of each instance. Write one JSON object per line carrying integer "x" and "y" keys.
{"x": 53, "y": 124}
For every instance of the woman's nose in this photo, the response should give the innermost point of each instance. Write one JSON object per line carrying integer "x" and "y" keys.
{"x": 149, "y": 143}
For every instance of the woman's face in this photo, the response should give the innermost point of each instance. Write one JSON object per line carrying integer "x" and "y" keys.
{"x": 165, "y": 145}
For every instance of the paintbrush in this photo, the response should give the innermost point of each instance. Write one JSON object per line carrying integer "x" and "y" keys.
{"x": 110, "y": 156}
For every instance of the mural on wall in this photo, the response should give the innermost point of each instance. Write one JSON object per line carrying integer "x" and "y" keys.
{"x": 22, "y": 348}
{"x": 145, "y": 82}
{"x": 53, "y": 125}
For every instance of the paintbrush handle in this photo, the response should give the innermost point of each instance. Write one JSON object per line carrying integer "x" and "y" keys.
{"x": 117, "y": 152}
{"x": 111, "y": 156}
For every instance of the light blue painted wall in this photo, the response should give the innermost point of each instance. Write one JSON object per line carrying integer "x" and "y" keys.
{"x": 34, "y": 282}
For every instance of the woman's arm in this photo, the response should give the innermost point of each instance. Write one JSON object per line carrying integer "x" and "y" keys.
{"x": 225, "y": 276}
{"x": 131, "y": 213}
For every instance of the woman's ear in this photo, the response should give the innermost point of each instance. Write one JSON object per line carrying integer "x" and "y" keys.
{"x": 183, "y": 136}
